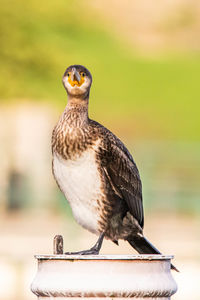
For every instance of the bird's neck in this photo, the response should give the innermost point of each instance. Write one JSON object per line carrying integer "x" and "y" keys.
{"x": 76, "y": 112}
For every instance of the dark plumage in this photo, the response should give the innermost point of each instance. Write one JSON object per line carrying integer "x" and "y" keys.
{"x": 96, "y": 172}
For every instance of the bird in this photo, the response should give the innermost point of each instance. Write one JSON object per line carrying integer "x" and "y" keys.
{"x": 96, "y": 172}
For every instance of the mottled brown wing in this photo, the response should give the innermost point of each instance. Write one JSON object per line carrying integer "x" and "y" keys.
{"x": 121, "y": 170}
{"x": 124, "y": 175}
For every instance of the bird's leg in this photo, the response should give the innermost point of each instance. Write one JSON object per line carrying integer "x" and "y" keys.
{"x": 93, "y": 251}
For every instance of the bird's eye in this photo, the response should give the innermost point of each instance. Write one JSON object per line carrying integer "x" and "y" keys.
{"x": 83, "y": 74}
{"x": 68, "y": 74}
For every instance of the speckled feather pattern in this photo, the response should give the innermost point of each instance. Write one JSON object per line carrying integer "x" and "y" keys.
{"x": 114, "y": 200}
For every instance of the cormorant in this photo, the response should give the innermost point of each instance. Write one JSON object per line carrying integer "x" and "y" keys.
{"x": 96, "y": 172}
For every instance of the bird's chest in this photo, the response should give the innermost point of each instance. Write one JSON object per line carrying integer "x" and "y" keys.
{"x": 80, "y": 181}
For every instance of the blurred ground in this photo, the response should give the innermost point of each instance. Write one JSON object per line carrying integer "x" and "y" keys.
{"x": 172, "y": 235}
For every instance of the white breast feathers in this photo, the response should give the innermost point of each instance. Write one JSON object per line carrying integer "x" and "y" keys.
{"x": 79, "y": 179}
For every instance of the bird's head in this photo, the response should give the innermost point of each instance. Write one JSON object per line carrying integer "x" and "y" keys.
{"x": 77, "y": 81}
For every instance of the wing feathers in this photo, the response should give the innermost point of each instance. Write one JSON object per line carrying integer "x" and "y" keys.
{"x": 121, "y": 171}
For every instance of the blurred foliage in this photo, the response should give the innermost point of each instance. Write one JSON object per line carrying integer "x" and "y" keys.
{"x": 39, "y": 39}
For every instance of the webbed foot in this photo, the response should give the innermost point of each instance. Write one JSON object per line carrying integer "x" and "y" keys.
{"x": 84, "y": 252}
{"x": 93, "y": 251}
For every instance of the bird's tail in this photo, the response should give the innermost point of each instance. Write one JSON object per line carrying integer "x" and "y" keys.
{"x": 143, "y": 246}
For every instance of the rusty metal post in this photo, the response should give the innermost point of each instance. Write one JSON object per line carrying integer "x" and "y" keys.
{"x": 103, "y": 276}
{"x": 58, "y": 244}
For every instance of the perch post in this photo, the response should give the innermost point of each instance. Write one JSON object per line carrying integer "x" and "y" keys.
{"x": 102, "y": 276}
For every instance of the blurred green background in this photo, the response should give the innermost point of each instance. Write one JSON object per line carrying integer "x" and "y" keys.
{"x": 156, "y": 90}
{"x": 145, "y": 61}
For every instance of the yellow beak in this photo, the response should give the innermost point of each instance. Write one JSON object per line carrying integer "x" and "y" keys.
{"x": 75, "y": 78}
